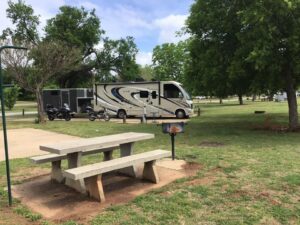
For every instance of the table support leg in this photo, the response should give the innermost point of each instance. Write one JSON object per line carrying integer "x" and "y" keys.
{"x": 108, "y": 155}
{"x": 56, "y": 172}
{"x": 94, "y": 187}
{"x": 150, "y": 172}
{"x": 74, "y": 160}
{"x": 126, "y": 150}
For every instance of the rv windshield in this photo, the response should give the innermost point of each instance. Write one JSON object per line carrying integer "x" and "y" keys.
{"x": 187, "y": 96}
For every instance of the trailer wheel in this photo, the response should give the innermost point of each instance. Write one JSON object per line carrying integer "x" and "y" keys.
{"x": 180, "y": 114}
{"x": 121, "y": 113}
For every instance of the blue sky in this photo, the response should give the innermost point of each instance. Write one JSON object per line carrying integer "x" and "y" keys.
{"x": 150, "y": 22}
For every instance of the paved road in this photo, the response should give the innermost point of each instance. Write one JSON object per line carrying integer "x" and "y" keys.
{"x": 25, "y": 142}
{"x": 19, "y": 113}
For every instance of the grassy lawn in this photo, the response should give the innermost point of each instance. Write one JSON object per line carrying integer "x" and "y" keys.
{"x": 28, "y": 106}
{"x": 249, "y": 175}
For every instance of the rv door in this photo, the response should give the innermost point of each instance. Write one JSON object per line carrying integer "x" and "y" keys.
{"x": 150, "y": 101}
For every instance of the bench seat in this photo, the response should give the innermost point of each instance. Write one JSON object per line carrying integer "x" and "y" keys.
{"x": 92, "y": 174}
{"x": 47, "y": 158}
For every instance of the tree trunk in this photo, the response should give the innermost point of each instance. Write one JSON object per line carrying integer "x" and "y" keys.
{"x": 241, "y": 99}
{"x": 292, "y": 102}
{"x": 221, "y": 101}
{"x": 254, "y": 98}
{"x": 40, "y": 106}
{"x": 271, "y": 98}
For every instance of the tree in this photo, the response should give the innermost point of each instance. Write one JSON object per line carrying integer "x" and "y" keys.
{"x": 10, "y": 96}
{"x": 48, "y": 59}
{"x": 146, "y": 72}
{"x": 276, "y": 28}
{"x": 117, "y": 59}
{"x": 22, "y": 16}
{"x": 169, "y": 61}
{"x": 205, "y": 70}
{"x": 78, "y": 28}
{"x": 215, "y": 49}
{"x": 257, "y": 42}
{"x": 45, "y": 58}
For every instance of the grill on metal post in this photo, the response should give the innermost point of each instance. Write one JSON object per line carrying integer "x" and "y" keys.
{"x": 173, "y": 129}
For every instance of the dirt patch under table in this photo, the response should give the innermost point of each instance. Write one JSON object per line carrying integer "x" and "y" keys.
{"x": 58, "y": 203}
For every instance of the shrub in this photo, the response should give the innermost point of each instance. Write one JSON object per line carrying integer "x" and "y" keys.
{"x": 10, "y": 96}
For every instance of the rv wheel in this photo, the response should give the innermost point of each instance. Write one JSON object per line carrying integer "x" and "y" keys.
{"x": 121, "y": 113}
{"x": 180, "y": 114}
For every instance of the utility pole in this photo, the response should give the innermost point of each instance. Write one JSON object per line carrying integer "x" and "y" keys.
{"x": 4, "y": 124}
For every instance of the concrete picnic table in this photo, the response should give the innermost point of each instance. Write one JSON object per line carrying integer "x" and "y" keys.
{"x": 76, "y": 148}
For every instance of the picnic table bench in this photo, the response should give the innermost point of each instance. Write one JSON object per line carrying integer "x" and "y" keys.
{"x": 75, "y": 149}
{"x": 92, "y": 174}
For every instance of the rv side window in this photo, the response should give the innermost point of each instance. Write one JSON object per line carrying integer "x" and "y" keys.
{"x": 53, "y": 92}
{"x": 153, "y": 95}
{"x": 144, "y": 94}
{"x": 171, "y": 91}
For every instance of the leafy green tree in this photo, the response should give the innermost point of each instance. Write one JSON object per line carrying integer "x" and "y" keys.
{"x": 77, "y": 28}
{"x": 276, "y": 27}
{"x": 205, "y": 71}
{"x": 216, "y": 60}
{"x": 146, "y": 72}
{"x": 255, "y": 44}
{"x": 26, "y": 23}
{"x": 45, "y": 58}
{"x": 11, "y": 96}
{"x": 169, "y": 61}
{"x": 48, "y": 59}
{"x": 117, "y": 59}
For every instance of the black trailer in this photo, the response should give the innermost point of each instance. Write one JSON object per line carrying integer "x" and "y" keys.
{"x": 76, "y": 98}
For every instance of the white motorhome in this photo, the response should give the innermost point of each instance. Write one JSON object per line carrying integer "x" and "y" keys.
{"x": 155, "y": 99}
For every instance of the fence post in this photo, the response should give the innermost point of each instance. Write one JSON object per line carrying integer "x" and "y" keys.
{"x": 199, "y": 111}
{"x": 124, "y": 119}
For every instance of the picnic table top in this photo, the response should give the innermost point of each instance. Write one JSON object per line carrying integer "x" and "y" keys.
{"x": 88, "y": 144}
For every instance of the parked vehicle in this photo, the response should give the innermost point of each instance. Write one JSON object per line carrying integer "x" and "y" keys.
{"x": 62, "y": 113}
{"x": 155, "y": 99}
{"x": 200, "y": 97}
{"x": 101, "y": 114}
{"x": 280, "y": 97}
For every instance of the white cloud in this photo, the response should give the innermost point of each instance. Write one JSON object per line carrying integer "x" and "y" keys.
{"x": 168, "y": 27}
{"x": 144, "y": 58}
{"x": 119, "y": 20}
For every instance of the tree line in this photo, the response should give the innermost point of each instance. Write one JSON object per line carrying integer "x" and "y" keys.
{"x": 67, "y": 54}
{"x": 238, "y": 47}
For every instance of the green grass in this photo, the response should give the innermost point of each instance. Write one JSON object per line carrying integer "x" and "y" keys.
{"x": 28, "y": 106}
{"x": 254, "y": 173}
{"x": 21, "y": 210}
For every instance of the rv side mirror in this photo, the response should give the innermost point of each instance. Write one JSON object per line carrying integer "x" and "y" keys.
{"x": 180, "y": 95}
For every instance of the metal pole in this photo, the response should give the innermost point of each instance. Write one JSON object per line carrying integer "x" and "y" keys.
{"x": 5, "y": 137}
{"x": 173, "y": 145}
{"x": 4, "y": 127}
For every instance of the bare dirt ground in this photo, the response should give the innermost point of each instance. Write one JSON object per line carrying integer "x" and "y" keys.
{"x": 25, "y": 142}
{"x": 59, "y": 203}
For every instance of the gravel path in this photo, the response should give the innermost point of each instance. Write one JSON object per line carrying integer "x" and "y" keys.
{"x": 25, "y": 142}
